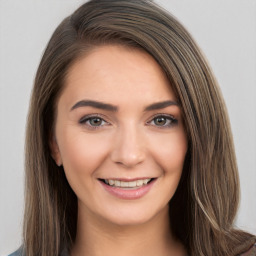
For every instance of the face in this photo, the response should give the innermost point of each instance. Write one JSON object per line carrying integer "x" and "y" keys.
{"x": 119, "y": 135}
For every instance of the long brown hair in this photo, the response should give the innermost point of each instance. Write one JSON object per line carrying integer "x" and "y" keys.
{"x": 203, "y": 208}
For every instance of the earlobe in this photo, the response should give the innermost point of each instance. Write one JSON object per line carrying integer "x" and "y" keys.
{"x": 55, "y": 152}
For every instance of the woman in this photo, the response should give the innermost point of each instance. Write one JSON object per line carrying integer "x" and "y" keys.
{"x": 129, "y": 149}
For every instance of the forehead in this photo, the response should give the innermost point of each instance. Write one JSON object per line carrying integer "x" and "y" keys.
{"x": 113, "y": 70}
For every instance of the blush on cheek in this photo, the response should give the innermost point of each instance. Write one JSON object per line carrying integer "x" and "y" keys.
{"x": 173, "y": 153}
{"x": 83, "y": 153}
{"x": 171, "y": 158}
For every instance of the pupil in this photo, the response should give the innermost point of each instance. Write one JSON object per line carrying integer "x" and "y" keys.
{"x": 95, "y": 121}
{"x": 160, "y": 121}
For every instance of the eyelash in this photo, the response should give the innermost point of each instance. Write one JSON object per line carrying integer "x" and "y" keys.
{"x": 86, "y": 119}
{"x": 170, "y": 120}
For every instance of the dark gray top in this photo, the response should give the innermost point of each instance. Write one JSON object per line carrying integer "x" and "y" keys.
{"x": 250, "y": 252}
{"x": 20, "y": 252}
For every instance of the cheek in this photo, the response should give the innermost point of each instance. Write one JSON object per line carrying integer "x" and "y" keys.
{"x": 81, "y": 153}
{"x": 171, "y": 151}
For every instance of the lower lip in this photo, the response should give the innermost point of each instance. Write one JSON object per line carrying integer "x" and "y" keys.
{"x": 128, "y": 193}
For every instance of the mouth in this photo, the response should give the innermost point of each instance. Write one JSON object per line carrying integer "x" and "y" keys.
{"x": 128, "y": 189}
{"x": 125, "y": 184}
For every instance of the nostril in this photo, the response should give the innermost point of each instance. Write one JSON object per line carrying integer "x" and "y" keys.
{"x": 127, "y": 148}
{"x": 128, "y": 159}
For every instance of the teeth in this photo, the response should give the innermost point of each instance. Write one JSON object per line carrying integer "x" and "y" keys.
{"x": 146, "y": 181}
{"x": 111, "y": 182}
{"x": 127, "y": 184}
{"x": 139, "y": 183}
{"x": 132, "y": 184}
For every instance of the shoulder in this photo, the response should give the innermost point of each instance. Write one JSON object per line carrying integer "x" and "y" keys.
{"x": 19, "y": 252}
{"x": 250, "y": 252}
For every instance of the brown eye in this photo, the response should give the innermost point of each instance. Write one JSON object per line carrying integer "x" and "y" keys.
{"x": 95, "y": 121}
{"x": 163, "y": 121}
{"x": 160, "y": 121}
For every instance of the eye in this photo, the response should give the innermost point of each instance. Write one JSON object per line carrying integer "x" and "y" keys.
{"x": 93, "y": 121}
{"x": 163, "y": 121}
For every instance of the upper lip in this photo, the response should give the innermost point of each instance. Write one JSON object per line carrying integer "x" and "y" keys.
{"x": 127, "y": 179}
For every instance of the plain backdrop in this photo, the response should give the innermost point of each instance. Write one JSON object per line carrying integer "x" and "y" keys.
{"x": 224, "y": 29}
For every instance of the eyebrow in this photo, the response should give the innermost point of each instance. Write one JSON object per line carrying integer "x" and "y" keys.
{"x": 95, "y": 104}
{"x": 110, "y": 107}
{"x": 160, "y": 105}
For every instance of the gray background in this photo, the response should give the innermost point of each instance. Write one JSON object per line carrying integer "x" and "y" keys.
{"x": 224, "y": 29}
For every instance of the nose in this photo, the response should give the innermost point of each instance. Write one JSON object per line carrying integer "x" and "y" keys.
{"x": 128, "y": 147}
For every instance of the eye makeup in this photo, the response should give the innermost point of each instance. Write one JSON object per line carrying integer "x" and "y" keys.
{"x": 93, "y": 121}
{"x": 163, "y": 121}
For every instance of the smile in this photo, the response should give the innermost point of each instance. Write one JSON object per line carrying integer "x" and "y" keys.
{"x": 127, "y": 184}
{"x": 124, "y": 189}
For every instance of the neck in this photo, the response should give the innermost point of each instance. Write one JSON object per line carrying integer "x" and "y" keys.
{"x": 97, "y": 237}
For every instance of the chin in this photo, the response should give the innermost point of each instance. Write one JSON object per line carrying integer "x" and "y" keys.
{"x": 133, "y": 216}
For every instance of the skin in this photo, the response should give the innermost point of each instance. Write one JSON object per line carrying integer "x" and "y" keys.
{"x": 128, "y": 142}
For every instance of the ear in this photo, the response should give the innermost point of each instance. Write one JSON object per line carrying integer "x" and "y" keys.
{"x": 55, "y": 152}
